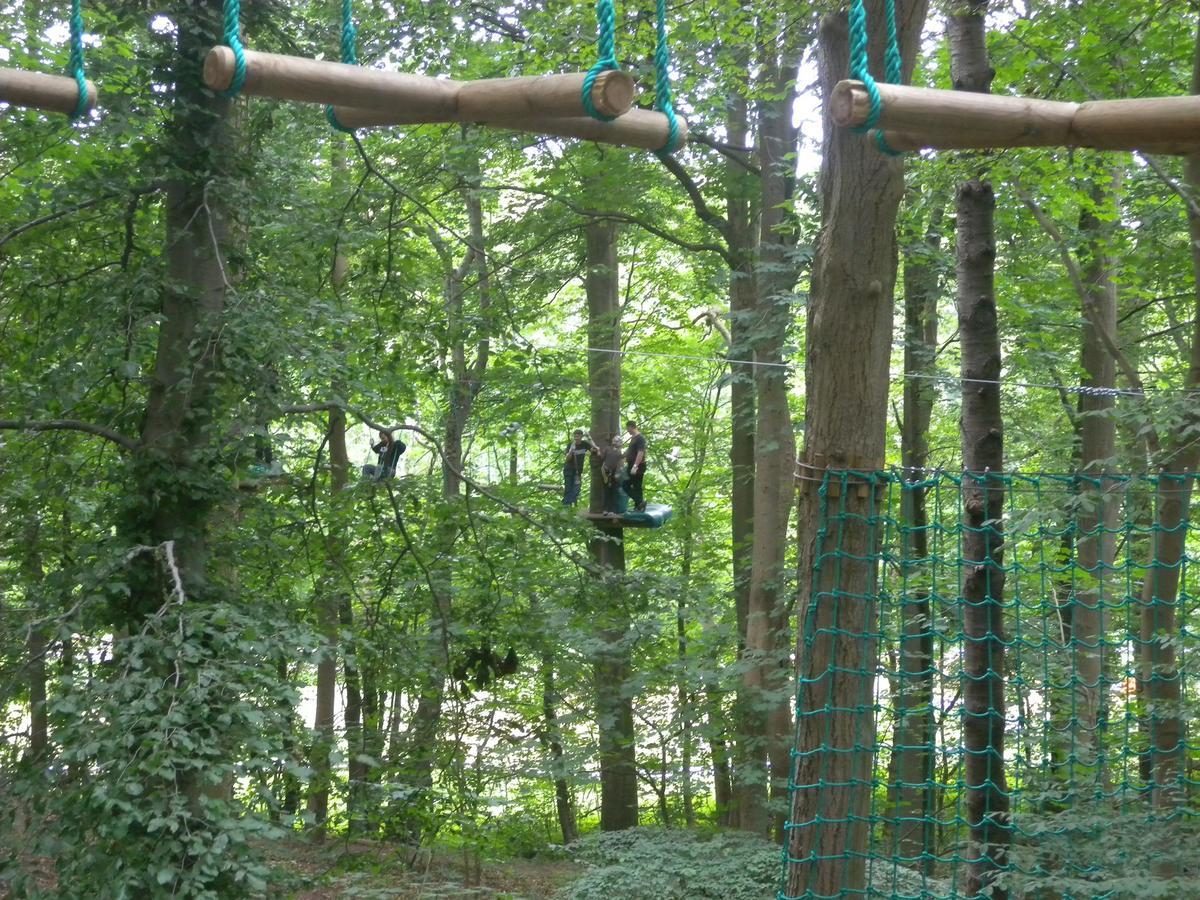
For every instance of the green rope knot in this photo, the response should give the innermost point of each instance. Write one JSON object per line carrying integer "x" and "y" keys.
{"x": 233, "y": 39}
{"x": 349, "y": 57}
{"x": 860, "y": 69}
{"x": 75, "y": 64}
{"x": 606, "y": 23}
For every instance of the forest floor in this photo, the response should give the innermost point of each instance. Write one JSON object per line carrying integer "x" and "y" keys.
{"x": 366, "y": 870}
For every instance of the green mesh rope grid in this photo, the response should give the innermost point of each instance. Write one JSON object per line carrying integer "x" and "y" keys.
{"x": 860, "y": 68}
{"x": 607, "y": 60}
{"x": 75, "y": 64}
{"x": 1098, "y": 589}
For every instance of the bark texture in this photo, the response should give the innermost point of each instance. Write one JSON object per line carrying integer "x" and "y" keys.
{"x": 849, "y": 335}
{"x": 914, "y": 735}
{"x": 613, "y": 664}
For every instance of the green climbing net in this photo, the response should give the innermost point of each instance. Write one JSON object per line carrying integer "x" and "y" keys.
{"x": 1091, "y": 790}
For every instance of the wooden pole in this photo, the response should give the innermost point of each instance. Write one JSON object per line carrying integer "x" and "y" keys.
{"x": 427, "y": 99}
{"x": 642, "y": 128}
{"x": 53, "y": 93}
{"x": 320, "y": 81}
{"x": 905, "y": 142}
{"x": 986, "y": 120}
{"x": 917, "y": 118}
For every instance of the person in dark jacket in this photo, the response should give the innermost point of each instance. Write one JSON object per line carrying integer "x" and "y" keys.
{"x": 573, "y": 463}
{"x": 635, "y": 463}
{"x": 388, "y": 449}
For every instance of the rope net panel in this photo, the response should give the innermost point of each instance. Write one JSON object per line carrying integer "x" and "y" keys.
{"x": 1049, "y": 754}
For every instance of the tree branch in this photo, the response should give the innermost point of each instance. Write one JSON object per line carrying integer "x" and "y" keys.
{"x": 126, "y": 443}
{"x": 694, "y": 246}
{"x": 705, "y": 213}
{"x": 78, "y": 207}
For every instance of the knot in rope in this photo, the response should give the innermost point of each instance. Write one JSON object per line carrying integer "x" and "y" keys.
{"x": 606, "y": 25}
{"x": 233, "y": 39}
{"x": 75, "y": 63}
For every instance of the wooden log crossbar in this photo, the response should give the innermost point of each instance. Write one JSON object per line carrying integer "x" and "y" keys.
{"x": 419, "y": 98}
{"x": 915, "y": 118}
{"x": 644, "y": 128}
{"x": 39, "y": 90}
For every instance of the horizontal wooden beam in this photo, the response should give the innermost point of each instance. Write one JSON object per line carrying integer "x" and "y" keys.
{"x": 429, "y": 99}
{"x": 920, "y": 118}
{"x": 642, "y": 128}
{"x": 38, "y": 90}
{"x": 321, "y": 81}
{"x": 906, "y": 142}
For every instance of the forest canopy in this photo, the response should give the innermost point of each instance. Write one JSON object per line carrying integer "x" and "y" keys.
{"x": 471, "y": 503}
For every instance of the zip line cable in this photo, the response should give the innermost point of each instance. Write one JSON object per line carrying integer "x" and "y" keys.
{"x": 1085, "y": 390}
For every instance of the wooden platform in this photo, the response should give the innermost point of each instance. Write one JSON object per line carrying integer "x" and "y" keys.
{"x": 655, "y": 516}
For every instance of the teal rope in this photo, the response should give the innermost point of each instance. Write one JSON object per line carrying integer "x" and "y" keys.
{"x": 76, "y": 61}
{"x": 662, "y": 83}
{"x": 606, "y": 24}
{"x": 349, "y": 56}
{"x": 233, "y": 10}
{"x": 860, "y": 70}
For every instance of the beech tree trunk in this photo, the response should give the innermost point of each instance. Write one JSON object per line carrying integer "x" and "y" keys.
{"x": 914, "y": 734}
{"x": 613, "y": 664}
{"x": 1099, "y": 508}
{"x": 849, "y": 337}
{"x": 742, "y": 219}
{"x": 982, "y": 495}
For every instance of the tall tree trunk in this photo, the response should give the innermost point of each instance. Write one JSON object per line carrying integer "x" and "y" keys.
{"x": 33, "y": 577}
{"x": 613, "y": 663}
{"x": 982, "y": 494}
{"x": 552, "y": 742}
{"x": 846, "y": 364}
{"x": 741, "y": 216}
{"x": 1099, "y": 506}
{"x": 330, "y": 598}
{"x": 914, "y": 736}
{"x": 466, "y": 383}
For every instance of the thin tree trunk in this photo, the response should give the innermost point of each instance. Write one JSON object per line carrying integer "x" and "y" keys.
{"x": 33, "y": 577}
{"x": 742, "y": 300}
{"x": 848, "y": 351}
{"x": 552, "y": 742}
{"x": 1096, "y": 546}
{"x": 914, "y": 734}
{"x": 612, "y": 663}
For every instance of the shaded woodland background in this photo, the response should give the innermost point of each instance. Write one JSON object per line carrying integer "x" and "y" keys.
{"x": 201, "y": 662}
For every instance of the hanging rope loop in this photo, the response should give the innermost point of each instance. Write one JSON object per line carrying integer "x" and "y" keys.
{"x": 860, "y": 68}
{"x": 349, "y": 57}
{"x": 662, "y": 81}
{"x": 606, "y": 27}
{"x": 75, "y": 64}
{"x": 233, "y": 39}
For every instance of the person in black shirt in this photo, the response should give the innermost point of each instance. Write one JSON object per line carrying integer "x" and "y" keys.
{"x": 635, "y": 462}
{"x": 573, "y": 463}
{"x": 389, "y": 449}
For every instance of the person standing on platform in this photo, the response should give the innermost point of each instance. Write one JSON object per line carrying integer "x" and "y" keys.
{"x": 635, "y": 462}
{"x": 573, "y": 463}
